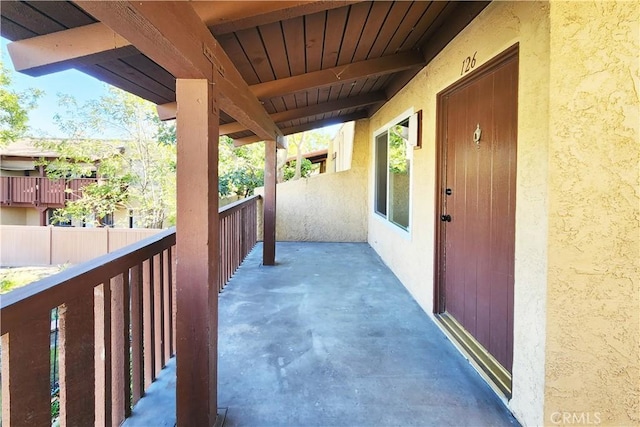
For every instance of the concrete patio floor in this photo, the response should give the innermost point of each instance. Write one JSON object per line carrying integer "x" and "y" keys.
{"x": 329, "y": 337}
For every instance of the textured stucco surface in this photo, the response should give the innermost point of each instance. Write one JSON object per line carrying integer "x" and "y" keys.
{"x": 327, "y": 207}
{"x": 32, "y": 217}
{"x": 13, "y": 216}
{"x": 411, "y": 256}
{"x": 593, "y": 307}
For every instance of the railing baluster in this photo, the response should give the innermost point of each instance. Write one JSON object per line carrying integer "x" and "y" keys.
{"x": 137, "y": 339}
{"x": 234, "y": 243}
{"x": 173, "y": 299}
{"x": 243, "y": 234}
{"x": 26, "y": 394}
{"x": 77, "y": 353}
{"x": 166, "y": 309}
{"x": 158, "y": 310}
{"x": 223, "y": 252}
{"x": 149, "y": 333}
{"x": 238, "y": 235}
{"x": 102, "y": 309}
{"x": 238, "y": 239}
{"x": 120, "y": 348}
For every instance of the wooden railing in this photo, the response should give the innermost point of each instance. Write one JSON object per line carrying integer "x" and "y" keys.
{"x": 116, "y": 327}
{"x": 38, "y": 190}
{"x": 238, "y": 235}
{"x": 115, "y": 314}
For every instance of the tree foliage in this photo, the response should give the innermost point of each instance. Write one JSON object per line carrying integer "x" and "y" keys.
{"x": 291, "y": 169}
{"x": 135, "y": 172}
{"x": 300, "y": 143}
{"x": 240, "y": 169}
{"x": 398, "y": 162}
{"x": 14, "y": 108}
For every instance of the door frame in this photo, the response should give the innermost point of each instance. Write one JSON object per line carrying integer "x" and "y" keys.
{"x": 492, "y": 368}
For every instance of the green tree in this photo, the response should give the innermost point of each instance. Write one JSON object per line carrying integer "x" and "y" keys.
{"x": 240, "y": 169}
{"x": 398, "y": 162}
{"x": 14, "y": 108}
{"x": 291, "y": 169}
{"x": 135, "y": 172}
{"x": 299, "y": 144}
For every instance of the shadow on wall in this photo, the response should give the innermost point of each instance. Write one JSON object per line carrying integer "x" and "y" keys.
{"x": 330, "y": 207}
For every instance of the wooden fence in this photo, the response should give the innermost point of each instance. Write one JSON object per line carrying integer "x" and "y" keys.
{"x": 22, "y": 245}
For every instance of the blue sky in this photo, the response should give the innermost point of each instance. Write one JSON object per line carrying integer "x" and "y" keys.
{"x": 70, "y": 82}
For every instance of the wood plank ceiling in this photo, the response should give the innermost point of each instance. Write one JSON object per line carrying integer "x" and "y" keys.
{"x": 310, "y": 63}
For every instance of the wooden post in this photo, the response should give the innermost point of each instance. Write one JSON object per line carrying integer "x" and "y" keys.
{"x": 76, "y": 360}
{"x": 42, "y": 211}
{"x": 197, "y": 252}
{"x": 26, "y": 381}
{"x": 137, "y": 339}
{"x": 269, "y": 240}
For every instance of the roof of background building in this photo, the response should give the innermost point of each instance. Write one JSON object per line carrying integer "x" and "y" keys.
{"x": 26, "y": 148}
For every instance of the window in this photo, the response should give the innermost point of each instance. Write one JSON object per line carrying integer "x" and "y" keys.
{"x": 58, "y": 221}
{"x": 107, "y": 220}
{"x": 393, "y": 156}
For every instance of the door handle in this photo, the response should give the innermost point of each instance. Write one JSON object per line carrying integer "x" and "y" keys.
{"x": 445, "y": 218}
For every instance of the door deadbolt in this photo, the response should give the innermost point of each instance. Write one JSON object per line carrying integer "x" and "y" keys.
{"x": 448, "y": 192}
{"x": 445, "y": 218}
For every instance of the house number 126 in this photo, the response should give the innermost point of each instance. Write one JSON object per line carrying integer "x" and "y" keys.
{"x": 468, "y": 63}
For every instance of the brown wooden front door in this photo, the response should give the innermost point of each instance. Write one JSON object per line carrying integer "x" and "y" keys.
{"x": 477, "y": 138}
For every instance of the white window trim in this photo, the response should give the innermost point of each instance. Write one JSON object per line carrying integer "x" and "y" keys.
{"x": 406, "y": 233}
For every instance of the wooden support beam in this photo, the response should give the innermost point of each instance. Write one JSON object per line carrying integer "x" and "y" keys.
{"x": 197, "y": 237}
{"x": 167, "y": 111}
{"x": 305, "y": 127}
{"x": 281, "y": 142}
{"x": 270, "y": 174}
{"x": 313, "y": 110}
{"x": 86, "y": 45}
{"x": 172, "y": 35}
{"x": 341, "y": 74}
{"x": 242, "y": 15}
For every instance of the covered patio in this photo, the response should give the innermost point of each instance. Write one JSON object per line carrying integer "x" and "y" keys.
{"x": 262, "y": 70}
{"x": 253, "y": 71}
{"x": 330, "y": 337}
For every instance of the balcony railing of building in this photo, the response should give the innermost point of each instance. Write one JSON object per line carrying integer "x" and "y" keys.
{"x": 116, "y": 317}
{"x": 238, "y": 235}
{"x": 37, "y": 190}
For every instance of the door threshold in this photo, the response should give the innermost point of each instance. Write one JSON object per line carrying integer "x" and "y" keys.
{"x": 486, "y": 362}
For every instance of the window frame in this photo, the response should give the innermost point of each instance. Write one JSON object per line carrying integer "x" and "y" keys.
{"x": 384, "y": 217}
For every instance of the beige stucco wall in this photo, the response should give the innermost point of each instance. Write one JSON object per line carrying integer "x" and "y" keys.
{"x": 121, "y": 218}
{"x": 19, "y": 216}
{"x": 411, "y": 255}
{"x": 327, "y": 207}
{"x": 13, "y": 216}
{"x": 4, "y": 172}
{"x": 32, "y": 217}
{"x": 593, "y": 307}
